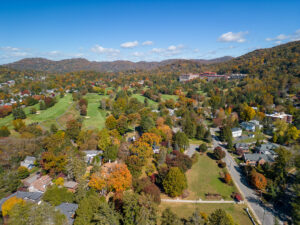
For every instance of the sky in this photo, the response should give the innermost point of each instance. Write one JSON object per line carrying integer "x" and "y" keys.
{"x": 149, "y": 30}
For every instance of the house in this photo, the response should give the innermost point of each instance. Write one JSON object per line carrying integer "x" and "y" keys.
{"x": 29, "y": 180}
{"x": 248, "y": 126}
{"x": 27, "y": 196}
{"x": 68, "y": 209}
{"x": 71, "y": 185}
{"x": 155, "y": 148}
{"x": 256, "y": 158}
{"x": 267, "y": 149}
{"x": 280, "y": 116}
{"x": 236, "y": 132}
{"x": 40, "y": 184}
{"x": 187, "y": 77}
{"x": 90, "y": 155}
{"x": 242, "y": 148}
{"x": 28, "y": 162}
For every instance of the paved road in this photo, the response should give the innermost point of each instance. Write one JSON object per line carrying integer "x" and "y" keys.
{"x": 264, "y": 214}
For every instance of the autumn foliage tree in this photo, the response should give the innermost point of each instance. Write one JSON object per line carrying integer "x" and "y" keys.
{"x": 96, "y": 182}
{"x": 258, "y": 180}
{"x": 10, "y": 203}
{"x": 120, "y": 178}
{"x": 227, "y": 178}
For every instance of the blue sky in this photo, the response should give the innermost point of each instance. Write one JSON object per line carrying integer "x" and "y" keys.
{"x": 143, "y": 30}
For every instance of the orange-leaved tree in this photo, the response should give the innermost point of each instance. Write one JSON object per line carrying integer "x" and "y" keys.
{"x": 258, "y": 180}
{"x": 120, "y": 178}
{"x": 96, "y": 182}
{"x": 10, "y": 203}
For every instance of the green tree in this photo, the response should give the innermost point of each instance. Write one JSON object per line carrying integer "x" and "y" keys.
{"x": 189, "y": 127}
{"x": 146, "y": 123}
{"x": 110, "y": 153}
{"x": 73, "y": 128}
{"x": 220, "y": 217}
{"x": 105, "y": 215}
{"x": 104, "y": 139}
{"x": 169, "y": 218}
{"x": 4, "y": 131}
{"x": 200, "y": 131}
{"x": 181, "y": 140}
{"x": 175, "y": 182}
{"x": 56, "y": 195}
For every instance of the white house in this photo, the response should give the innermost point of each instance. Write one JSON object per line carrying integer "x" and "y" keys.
{"x": 28, "y": 162}
{"x": 236, "y": 132}
{"x": 90, "y": 154}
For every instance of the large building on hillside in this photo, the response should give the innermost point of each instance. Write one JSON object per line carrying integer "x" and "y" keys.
{"x": 187, "y": 77}
{"x": 281, "y": 116}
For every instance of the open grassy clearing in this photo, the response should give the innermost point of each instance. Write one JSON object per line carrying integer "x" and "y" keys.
{"x": 45, "y": 117}
{"x": 184, "y": 210}
{"x": 95, "y": 118}
{"x": 204, "y": 177}
{"x": 141, "y": 98}
{"x": 168, "y": 97}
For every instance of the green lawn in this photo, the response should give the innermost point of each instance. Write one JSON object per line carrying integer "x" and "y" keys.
{"x": 184, "y": 210}
{"x": 204, "y": 177}
{"x": 45, "y": 117}
{"x": 142, "y": 98}
{"x": 167, "y": 97}
{"x": 95, "y": 117}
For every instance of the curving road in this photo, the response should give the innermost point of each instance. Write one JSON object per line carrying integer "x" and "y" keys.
{"x": 263, "y": 214}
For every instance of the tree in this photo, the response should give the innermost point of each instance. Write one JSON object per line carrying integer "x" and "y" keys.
{"x": 142, "y": 150}
{"x": 120, "y": 178}
{"x": 189, "y": 127}
{"x": 122, "y": 124}
{"x": 139, "y": 209}
{"x": 23, "y": 172}
{"x": 111, "y": 122}
{"x": 105, "y": 215}
{"x": 135, "y": 165}
{"x": 152, "y": 190}
{"x": 56, "y": 195}
{"x": 181, "y": 140}
{"x": 195, "y": 219}
{"x": 248, "y": 113}
{"x": 203, "y": 148}
{"x": 87, "y": 207}
{"x": 97, "y": 183}
{"x": 10, "y": 203}
{"x": 75, "y": 166}
{"x": 104, "y": 139}
{"x": 147, "y": 123}
{"x": 258, "y": 180}
{"x": 73, "y": 128}
{"x": 175, "y": 182}
{"x": 220, "y": 217}
{"x": 18, "y": 124}
{"x": 110, "y": 153}
{"x": 18, "y": 113}
{"x": 37, "y": 214}
{"x": 53, "y": 128}
{"x": 52, "y": 163}
{"x": 169, "y": 218}
{"x": 227, "y": 178}
{"x": 4, "y": 131}
{"x": 150, "y": 138}
{"x": 200, "y": 131}
{"x": 219, "y": 153}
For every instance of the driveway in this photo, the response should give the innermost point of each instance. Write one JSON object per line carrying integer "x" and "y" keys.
{"x": 191, "y": 150}
{"x": 264, "y": 214}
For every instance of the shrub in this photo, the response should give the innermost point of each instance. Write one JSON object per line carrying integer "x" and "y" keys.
{"x": 33, "y": 111}
{"x": 219, "y": 153}
{"x": 23, "y": 172}
{"x": 4, "y": 132}
{"x": 221, "y": 164}
{"x": 175, "y": 182}
{"x": 227, "y": 178}
{"x": 203, "y": 148}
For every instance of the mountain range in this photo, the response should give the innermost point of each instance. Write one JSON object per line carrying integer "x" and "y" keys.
{"x": 79, "y": 64}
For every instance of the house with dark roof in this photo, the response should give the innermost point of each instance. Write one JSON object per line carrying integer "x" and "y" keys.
{"x": 257, "y": 159}
{"x": 27, "y": 196}
{"x": 267, "y": 149}
{"x": 68, "y": 209}
{"x": 242, "y": 148}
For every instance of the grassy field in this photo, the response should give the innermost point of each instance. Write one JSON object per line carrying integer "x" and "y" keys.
{"x": 204, "y": 177}
{"x": 142, "y": 98}
{"x": 45, "y": 117}
{"x": 184, "y": 210}
{"x": 167, "y": 97}
{"x": 95, "y": 117}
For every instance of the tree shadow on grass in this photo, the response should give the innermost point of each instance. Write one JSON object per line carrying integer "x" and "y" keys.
{"x": 211, "y": 155}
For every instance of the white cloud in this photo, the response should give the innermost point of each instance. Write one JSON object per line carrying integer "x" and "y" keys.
{"x": 157, "y": 50}
{"x": 101, "y": 50}
{"x": 130, "y": 44}
{"x": 280, "y": 37}
{"x": 138, "y": 54}
{"x": 8, "y": 48}
{"x": 233, "y": 37}
{"x": 147, "y": 43}
{"x": 296, "y": 36}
